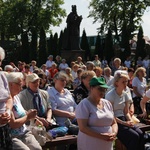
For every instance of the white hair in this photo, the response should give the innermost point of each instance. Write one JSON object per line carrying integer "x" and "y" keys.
{"x": 8, "y": 68}
{"x": 14, "y": 76}
{"x": 2, "y": 53}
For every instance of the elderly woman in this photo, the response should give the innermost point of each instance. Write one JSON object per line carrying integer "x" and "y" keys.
{"x": 139, "y": 85}
{"x": 95, "y": 118}
{"x": 34, "y": 98}
{"x": 107, "y": 75}
{"x": 116, "y": 65}
{"x": 63, "y": 104}
{"x": 82, "y": 90}
{"x": 21, "y": 137}
{"x": 63, "y": 65}
{"x": 5, "y": 108}
{"x": 130, "y": 135}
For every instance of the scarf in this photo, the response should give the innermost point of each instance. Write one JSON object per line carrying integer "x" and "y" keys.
{"x": 37, "y": 103}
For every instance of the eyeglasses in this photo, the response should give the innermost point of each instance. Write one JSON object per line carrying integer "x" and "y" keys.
{"x": 20, "y": 84}
{"x": 63, "y": 80}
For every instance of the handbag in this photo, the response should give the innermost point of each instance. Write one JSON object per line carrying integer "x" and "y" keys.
{"x": 39, "y": 133}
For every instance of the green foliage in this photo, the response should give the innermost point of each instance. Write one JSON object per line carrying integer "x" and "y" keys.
{"x": 60, "y": 42}
{"x": 55, "y": 45}
{"x": 29, "y": 16}
{"x": 98, "y": 48}
{"x": 18, "y": 15}
{"x": 33, "y": 45}
{"x": 50, "y": 44}
{"x": 140, "y": 50}
{"x": 42, "y": 47}
{"x": 112, "y": 14}
{"x": 25, "y": 48}
{"x": 108, "y": 51}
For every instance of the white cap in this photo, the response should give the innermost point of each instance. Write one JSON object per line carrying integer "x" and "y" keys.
{"x": 31, "y": 77}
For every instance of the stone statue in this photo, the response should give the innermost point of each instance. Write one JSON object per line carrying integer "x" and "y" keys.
{"x": 73, "y": 30}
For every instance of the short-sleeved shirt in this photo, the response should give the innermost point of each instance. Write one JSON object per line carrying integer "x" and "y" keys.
{"x": 118, "y": 101}
{"x": 4, "y": 92}
{"x": 63, "y": 66}
{"x": 63, "y": 101}
{"x": 49, "y": 63}
{"x": 141, "y": 86}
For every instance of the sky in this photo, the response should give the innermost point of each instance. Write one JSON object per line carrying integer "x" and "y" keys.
{"x": 87, "y": 23}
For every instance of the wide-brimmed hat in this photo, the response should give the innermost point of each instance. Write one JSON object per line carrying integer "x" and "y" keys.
{"x": 98, "y": 82}
{"x": 31, "y": 77}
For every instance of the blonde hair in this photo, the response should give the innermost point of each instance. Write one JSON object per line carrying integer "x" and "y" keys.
{"x": 106, "y": 69}
{"x": 86, "y": 74}
{"x": 139, "y": 69}
{"x": 118, "y": 75}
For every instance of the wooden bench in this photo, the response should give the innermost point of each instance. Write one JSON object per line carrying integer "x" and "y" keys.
{"x": 120, "y": 146}
{"x": 64, "y": 140}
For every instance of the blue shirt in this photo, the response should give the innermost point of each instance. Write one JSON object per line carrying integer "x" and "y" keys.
{"x": 61, "y": 101}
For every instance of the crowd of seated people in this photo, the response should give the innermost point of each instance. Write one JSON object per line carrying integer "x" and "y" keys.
{"x": 56, "y": 88}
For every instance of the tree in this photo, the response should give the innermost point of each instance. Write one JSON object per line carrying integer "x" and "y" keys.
{"x": 55, "y": 45}
{"x": 109, "y": 51}
{"x": 19, "y": 16}
{"x": 33, "y": 45}
{"x": 98, "y": 48}
{"x": 28, "y": 14}
{"x": 25, "y": 48}
{"x": 85, "y": 45}
{"x": 125, "y": 47}
{"x": 50, "y": 44}
{"x": 112, "y": 14}
{"x": 42, "y": 47}
{"x": 60, "y": 42}
{"x": 140, "y": 49}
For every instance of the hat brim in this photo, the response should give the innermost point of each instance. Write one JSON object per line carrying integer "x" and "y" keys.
{"x": 34, "y": 79}
{"x": 104, "y": 86}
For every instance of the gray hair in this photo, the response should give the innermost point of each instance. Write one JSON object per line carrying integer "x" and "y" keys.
{"x": 60, "y": 75}
{"x": 2, "y": 53}
{"x": 14, "y": 76}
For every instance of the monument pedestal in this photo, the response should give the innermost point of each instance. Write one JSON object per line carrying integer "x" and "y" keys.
{"x": 71, "y": 55}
